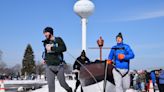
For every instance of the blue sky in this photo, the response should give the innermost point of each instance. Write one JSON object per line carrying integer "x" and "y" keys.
{"x": 140, "y": 21}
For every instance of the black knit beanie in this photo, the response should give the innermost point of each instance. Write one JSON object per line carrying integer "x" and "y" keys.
{"x": 119, "y": 35}
{"x": 48, "y": 29}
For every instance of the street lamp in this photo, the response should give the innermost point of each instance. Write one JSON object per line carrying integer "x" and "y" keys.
{"x": 84, "y": 8}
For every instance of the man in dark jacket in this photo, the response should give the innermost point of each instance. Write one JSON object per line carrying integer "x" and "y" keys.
{"x": 82, "y": 59}
{"x": 53, "y": 57}
{"x": 161, "y": 81}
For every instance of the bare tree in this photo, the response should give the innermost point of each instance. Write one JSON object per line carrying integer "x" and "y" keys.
{"x": 40, "y": 69}
{"x": 68, "y": 68}
{"x": 1, "y": 55}
{"x": 2, "y": 64}
{"x": 16, "y": 68}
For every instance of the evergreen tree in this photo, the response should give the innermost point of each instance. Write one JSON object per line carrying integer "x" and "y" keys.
{"x": 28, "y": 63}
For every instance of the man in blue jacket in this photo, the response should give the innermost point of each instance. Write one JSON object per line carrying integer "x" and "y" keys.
{"x": 153, "y": 77}
{"x": 121, "y": 54}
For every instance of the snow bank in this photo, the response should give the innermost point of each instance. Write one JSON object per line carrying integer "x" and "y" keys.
{"x": 24, "y": 81}
{"x": 58, "y": 87}
{"x": 92, "y": 88}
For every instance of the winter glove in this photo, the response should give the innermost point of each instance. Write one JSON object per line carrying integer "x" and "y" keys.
{"x": 75, "y": 71}
{"x": 43, "y": 62}
{"x": 109, "y": 62}
{"x": 121, "y": 56}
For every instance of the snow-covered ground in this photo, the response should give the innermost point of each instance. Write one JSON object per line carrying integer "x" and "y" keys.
{"x": 23, "y": 81}
{"x": 93, "y": 88}
{"x": 71, "y": 83}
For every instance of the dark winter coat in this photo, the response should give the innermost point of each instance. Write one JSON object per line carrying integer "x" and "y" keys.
{"x": 55, "y": 57}
{"x": 77, "y": 65}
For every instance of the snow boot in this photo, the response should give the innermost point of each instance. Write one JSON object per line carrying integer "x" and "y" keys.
{"x": 70, "y": 90}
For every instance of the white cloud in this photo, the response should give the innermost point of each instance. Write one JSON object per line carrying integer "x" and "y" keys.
{"x": 144, "y": 16}
{"x": 148, "y": 46}
{"x": 133, "y": 16}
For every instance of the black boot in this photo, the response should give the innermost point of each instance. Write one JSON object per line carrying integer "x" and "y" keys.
{"x": 70, "y": 90}
{"x": 81, "y": 89}
{"x": 75, "y": 90}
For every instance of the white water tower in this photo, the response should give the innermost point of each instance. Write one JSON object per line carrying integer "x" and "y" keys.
{"x": 84, "y": 8}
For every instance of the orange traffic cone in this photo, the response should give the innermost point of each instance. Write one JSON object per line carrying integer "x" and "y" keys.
{"x": 2, "y": 88}
{"x": 151, "y": 88}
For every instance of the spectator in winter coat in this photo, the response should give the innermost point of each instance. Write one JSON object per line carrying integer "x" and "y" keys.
{"x": 153, "y": 77}
{"x": 82, "y": 59}
{"x": 161, "y": 81}
{"x": 142, "y": 77}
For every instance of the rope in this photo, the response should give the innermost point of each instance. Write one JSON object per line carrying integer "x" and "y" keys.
{"x": 86, "y": 70}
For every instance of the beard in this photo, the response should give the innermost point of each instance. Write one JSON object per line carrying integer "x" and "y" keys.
{"x": 48, "y": 37}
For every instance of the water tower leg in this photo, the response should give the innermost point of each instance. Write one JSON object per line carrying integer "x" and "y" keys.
{"x": 84, "y": 33}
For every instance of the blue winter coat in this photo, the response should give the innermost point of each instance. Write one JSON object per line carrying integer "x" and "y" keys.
{"x": 121, "y": 48}
{"x": 161, "y": 77}
{"x": 153, "y": 76}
